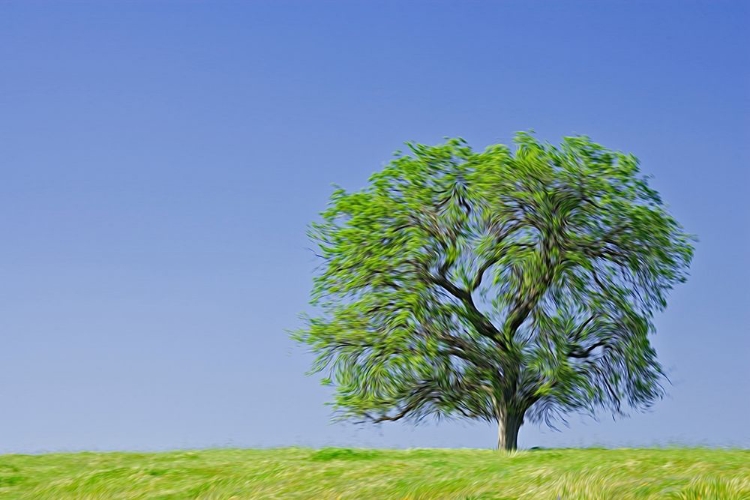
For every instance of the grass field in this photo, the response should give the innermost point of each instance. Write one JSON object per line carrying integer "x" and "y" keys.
{"x": 371, "y": 474}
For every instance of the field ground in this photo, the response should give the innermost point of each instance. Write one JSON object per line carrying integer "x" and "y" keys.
{"x": 332, "y": 473}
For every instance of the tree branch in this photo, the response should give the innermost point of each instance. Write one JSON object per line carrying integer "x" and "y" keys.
{"x": 585, "y": 353}
{"x": 605, "y": 380}
{"x": 504, "y": 234}
{"x": 417, "y": 398}
{"x": 483, "y": 325}
{"x": 579, "y": 330}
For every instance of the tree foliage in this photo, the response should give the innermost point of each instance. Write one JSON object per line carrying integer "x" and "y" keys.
{"x": 494, "y": 285}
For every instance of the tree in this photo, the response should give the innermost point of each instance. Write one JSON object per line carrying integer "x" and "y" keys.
{"x": 495, "y": 285}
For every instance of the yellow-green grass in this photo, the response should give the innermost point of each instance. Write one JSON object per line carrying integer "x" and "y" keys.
{"x": 674, "y": 473}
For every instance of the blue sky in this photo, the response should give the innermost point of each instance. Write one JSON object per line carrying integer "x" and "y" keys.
{"x": 160, "y": 161}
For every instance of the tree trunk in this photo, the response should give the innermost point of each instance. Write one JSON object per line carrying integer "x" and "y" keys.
{"x": 507, "y": 431}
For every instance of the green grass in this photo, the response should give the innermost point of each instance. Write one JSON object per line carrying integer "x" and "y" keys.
{"x": 672, "y": 473}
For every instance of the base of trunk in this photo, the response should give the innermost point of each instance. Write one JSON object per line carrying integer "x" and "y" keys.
{"x": 507, "y": 432}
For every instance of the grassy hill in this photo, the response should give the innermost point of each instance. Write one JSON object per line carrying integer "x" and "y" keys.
{"x": 674, "y": 473}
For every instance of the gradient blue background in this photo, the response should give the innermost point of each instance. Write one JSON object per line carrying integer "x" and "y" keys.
{"x": 159, "y": 163}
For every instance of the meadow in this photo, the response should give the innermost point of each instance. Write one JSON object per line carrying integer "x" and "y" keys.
{"x": 336, "y": 473}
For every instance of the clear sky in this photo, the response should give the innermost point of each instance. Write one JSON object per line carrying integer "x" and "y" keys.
{"x": 160, "y": 161}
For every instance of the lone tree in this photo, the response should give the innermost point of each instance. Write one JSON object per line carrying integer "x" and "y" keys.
{"x": 494, "y": 285}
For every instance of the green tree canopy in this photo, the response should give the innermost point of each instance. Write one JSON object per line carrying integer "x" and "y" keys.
{"x": 498, "y": 285}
